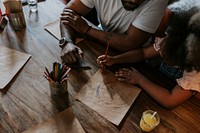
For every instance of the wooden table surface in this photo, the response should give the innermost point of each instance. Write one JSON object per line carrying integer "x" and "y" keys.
{"x": 26, "y": 101}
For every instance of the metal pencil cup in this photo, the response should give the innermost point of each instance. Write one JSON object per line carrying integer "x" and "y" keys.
{"x": 17, "y": 20}
{"x": 59, "y": 95}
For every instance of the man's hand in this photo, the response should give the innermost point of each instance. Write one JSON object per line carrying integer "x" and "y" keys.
{"x": 69, "y": 17}
{"x": 71, "y": 53}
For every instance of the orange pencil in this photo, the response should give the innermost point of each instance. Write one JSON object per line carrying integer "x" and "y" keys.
{"x": 106, "y": 53}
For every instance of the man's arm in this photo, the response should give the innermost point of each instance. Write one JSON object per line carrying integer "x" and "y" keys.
{"x": 132, "y": 39}
{"x": 138, "y": 32}
{"x": 70, "y": 52}
{"x": 78, "y": 7}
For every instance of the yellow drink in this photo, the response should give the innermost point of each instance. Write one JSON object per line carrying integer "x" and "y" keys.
{"x": 147, "y": 122}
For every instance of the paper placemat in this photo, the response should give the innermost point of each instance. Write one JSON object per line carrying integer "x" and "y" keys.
{"x": 108, "y": 96}
{"x": 54, "y": 29}
{"x": 64, "y": 122}
{"x": 11, "y": 61}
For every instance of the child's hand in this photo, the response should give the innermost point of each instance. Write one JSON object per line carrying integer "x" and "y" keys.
{"x": 130, "y": 76}
{"x": 102, "y": 60}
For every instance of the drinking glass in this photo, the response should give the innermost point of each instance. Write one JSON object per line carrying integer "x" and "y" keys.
{"x": 149, "y": 120}
{"x": 33, "y": 5}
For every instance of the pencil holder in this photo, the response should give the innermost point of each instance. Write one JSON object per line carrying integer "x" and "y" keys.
{"x": 17, "y": 20}
{"x": 59, "y": 95}
{"x": 3, "y": 23}
{"x": 58, "y": 85}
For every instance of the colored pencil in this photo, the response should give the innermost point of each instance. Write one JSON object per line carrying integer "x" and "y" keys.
{"x": 106, "y": 53}
{"x": 59, "y": 73}
{"x": 47, "y": 71}
{"x": 65, "y": 74}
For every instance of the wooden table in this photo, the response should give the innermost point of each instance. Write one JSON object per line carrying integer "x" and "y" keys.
{"x": 26, "y": 101}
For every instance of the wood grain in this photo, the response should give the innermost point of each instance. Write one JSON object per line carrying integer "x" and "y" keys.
{"x": 26, "y": 101}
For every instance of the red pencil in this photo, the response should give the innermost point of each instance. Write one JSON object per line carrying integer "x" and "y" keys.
{"x": 47, "y": 72}
{"x": 106, "y": 53}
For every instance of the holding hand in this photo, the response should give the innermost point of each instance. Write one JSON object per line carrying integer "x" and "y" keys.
{"x": 71, "y": 18}
{"x": 71, "y": 53}
{"x": 130, "y": 76}
{"x": 105, "y": 60}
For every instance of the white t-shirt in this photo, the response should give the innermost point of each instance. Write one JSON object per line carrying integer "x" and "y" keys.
{"x": 114, "y": 18}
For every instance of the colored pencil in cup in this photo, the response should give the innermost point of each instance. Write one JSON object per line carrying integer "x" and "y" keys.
{"x": 59, "y": 73}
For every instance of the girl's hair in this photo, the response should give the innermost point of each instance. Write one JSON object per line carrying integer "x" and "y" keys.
{"x": 182, "y": 46}
{"x": 193, "y": 43}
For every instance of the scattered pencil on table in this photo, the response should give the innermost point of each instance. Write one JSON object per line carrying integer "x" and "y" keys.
{"x": 59, "y": 73}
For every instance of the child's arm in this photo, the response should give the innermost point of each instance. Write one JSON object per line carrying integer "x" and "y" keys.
{"x": 161, "y": 95}
{"x": 132, "y": 56}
